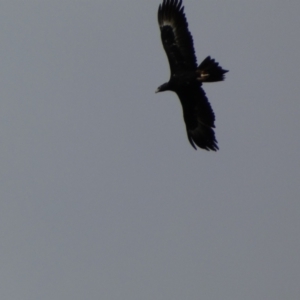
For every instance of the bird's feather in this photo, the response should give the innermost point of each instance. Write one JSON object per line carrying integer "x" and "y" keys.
{"x": 198, "y": 116}
{"x": 176, "y": 38}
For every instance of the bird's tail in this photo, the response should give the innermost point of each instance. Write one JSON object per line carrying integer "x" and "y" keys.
{"x": 210, "y": 71}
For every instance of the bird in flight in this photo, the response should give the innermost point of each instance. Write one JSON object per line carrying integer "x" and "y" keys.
{"x": 186, "y": 76}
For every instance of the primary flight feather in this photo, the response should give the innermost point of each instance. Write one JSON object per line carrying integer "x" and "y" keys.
{"x": 186, "y": 77}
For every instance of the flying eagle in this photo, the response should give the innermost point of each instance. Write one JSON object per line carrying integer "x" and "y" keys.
{"x": 186, "y": 77}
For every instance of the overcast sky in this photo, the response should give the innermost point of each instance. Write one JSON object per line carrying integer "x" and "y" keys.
{"x": 101, "y": 194}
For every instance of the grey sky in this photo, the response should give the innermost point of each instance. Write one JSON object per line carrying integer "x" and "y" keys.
{"x": 102, "y": 196}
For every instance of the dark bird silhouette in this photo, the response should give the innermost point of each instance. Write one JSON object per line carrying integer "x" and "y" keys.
{"x": 186, "y": 77}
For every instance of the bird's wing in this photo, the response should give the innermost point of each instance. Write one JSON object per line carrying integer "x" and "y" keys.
{"x": 176, "y": 38}
{"x": 199, "y": 117}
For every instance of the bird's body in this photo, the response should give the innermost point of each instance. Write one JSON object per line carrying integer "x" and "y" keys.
{"x": 186, "y": 77}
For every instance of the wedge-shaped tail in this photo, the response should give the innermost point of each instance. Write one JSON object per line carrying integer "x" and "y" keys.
{"x": 210, "y": 71}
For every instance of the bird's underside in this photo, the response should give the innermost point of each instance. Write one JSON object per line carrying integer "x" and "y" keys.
{"x": 186, "y": 77}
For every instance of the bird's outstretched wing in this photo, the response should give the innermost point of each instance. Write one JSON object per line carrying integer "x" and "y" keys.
{"x": 199, "y": 117}
{"x": 176, "y": 38}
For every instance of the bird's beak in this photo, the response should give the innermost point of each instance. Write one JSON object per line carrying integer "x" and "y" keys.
{"x": 157, "y": 91}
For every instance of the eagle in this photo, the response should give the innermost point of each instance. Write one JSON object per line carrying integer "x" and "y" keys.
{"x": 187, "y": 77}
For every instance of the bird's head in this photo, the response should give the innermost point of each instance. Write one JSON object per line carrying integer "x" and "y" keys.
{"x": 163, "y": 87}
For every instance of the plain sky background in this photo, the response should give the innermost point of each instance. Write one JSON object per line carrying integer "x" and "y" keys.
{"x": 101, "y": 194}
